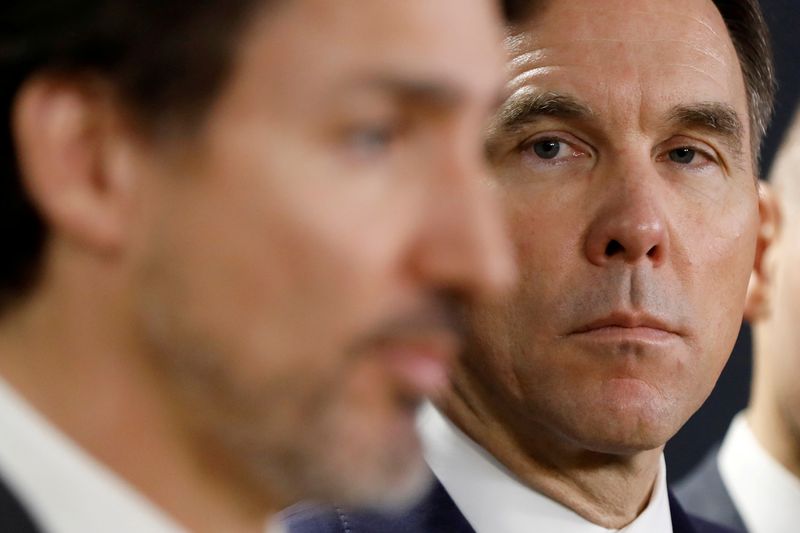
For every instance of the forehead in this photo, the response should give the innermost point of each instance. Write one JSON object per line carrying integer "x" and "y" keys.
{"x": 305, "y": 46}
{"x": 629, "y": 55}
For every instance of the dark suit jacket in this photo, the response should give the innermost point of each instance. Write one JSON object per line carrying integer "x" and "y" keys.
{"x": 702, "y": 493}
{"x": 13, "y": 516}
{"x": 436, "y": 513}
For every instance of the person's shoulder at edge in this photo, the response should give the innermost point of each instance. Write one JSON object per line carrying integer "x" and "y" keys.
{"x": 688, "y": 522}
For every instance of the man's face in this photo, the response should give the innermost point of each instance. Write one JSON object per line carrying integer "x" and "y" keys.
{"x": 774, "y": 310}
{"x": 298, "y": 262}
{"x": 778, "y": 339}
{"x": 623, "y": 159}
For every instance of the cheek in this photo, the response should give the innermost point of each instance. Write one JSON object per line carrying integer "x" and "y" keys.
{"x": 715, "y": 255}
{"x": 782, "y": 328}
{"x": 252, "y": 284}
{"x": 546, "y": 235}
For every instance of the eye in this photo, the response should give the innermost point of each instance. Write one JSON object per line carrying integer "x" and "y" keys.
{"x": 550, "y": 150}
{"x": 690, "y": 155}
{"x": 683, "y": 155}
{"x": 371, "y": 139}
{"x": 547, "y": 149}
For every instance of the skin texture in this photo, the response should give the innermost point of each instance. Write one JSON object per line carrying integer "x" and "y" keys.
{"x": 256, "y": 308}
{"x": 773, "y": 310}
{"x": 636, "y": 231}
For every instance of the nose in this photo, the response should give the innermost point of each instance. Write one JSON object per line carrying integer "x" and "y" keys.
{"x": 463, "y": 244}
{"x": 630, "y": 222}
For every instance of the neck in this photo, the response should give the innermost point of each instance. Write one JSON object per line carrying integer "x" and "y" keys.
{"x": 68, "y": 351}
{"x": 609, "y": 490}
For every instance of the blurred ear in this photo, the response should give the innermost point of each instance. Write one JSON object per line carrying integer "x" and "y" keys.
{"x": 757, "y": 304}
{"x": 64, "y": 133}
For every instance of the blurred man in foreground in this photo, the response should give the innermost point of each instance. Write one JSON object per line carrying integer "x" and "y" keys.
{"x": 236, "y": 238}
{"x": 625, "y": 155}
{"x": 753, "y": 480}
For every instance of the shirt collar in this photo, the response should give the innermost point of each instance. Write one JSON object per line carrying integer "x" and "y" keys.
{"x": 493, "y": 499}
{"x": 63, "y": 487}
{"x": 764, "y": 492}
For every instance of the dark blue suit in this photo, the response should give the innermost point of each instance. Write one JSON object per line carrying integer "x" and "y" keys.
{"x": 435, "y": 513}
{"x": 13, "y": 516}
{"x": 704, "y": 494}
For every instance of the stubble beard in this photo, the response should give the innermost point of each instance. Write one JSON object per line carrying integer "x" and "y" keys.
{"x": 270, "y": 443}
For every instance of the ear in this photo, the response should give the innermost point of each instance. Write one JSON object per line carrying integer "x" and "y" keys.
{"x": 757, "y": 304}
{"x": 63, "y": 132}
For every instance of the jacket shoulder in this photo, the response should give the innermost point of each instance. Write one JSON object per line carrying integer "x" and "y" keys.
{"x": 13, "y": 516}
{"x": 308, "y": 518}
{"x": 434, "y": 513}
{"x": 683, "y": 522}
{"x": 703, "y": 494}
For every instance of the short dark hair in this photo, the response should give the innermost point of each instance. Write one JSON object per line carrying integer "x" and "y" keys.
{"x": 166, "y": 60}
{"x": 751, "y": 38}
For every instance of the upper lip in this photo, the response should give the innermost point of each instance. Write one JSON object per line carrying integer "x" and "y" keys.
{"x": 627, "y": 320}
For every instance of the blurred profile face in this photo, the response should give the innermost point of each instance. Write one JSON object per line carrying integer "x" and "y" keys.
{"x": 301, "y": 259}
{"x": 622, "y": 157}
{"x": 780, "y": 333}
{"x": 777, "y": 287}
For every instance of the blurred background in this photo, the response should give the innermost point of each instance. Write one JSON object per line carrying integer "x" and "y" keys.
{"x": 707, "y": 427}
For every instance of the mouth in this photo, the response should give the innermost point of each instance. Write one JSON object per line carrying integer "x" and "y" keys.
{"x": 420, "y": 364}
{"x": 417, "y": 349}
{"x": 628, "y": 327}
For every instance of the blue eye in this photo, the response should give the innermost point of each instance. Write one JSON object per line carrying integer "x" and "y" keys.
{"x": 547, "y": 149}
{"x": 372, "y": 139}
{"x": 683, "y": 155}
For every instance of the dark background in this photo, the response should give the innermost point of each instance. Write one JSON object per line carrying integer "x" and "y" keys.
{"x": 709, "y": 424}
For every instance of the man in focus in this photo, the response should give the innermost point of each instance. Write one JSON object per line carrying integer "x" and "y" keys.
{"x": 237, "y": 239}
{"x": 625, "y": 157}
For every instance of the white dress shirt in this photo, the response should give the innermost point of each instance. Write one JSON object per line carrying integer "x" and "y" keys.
{"x": 492, "y": 499}
{"x": 765, "y": 493}
{"x": 63, "y": 487}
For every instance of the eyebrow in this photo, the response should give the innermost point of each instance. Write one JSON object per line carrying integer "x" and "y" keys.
{"x": 716, "y": 118}
{"x": 429, "y": 92}
{"x": 526, "y": 107}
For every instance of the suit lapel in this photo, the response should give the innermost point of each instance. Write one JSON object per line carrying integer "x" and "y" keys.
{"x": 438, "y": 512}
{"x": 685, "y": 523}
{"x": 680, "y": 520}
{"x": 703, "y": 493}
{"x": 13, "y": 516}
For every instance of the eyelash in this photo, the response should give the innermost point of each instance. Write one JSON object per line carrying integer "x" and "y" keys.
{"x": 527, "y": 147}
{"x": 709, "y": 155}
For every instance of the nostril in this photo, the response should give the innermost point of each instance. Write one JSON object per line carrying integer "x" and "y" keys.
{"x": 613, "y": 248}
{"x": 652, "y": 251}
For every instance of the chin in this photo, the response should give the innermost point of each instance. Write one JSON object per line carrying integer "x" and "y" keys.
{"x": 623, "y": 444}
{"x": 355, "y": 456}
{"x": 624, "y": 433}
{"x": 382, "y": 489}
{"x": 383, "y": 476}
{"x": 621, "y": 424}
{"x": 379, "y": 464}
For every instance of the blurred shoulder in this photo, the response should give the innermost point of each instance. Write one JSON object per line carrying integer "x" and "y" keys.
{"x": 434, "y": 513}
